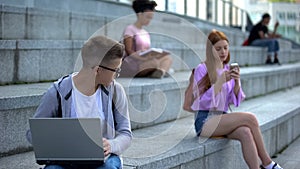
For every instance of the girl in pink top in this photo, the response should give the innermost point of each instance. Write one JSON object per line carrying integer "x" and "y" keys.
{"x": 137, "y": 39}
{"x": 213, "y": 86}
{"x": 141, "y": 37}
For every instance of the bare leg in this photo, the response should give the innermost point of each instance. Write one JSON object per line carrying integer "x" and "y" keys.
{"x": 244, "y": 135}
{"x": 145, "y": 72}
{"x": 165, "y": 63}
{"x": 226, "y": 124}
{"x": 147, "y": 67}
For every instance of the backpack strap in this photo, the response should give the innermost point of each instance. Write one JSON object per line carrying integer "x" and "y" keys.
{"x": 59, "y": 111}
{"x": 134, "y": 42}
{"x": 113, "y": 106}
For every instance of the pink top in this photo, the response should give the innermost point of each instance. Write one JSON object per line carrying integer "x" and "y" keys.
{"x": 208, "y": 100}
{"x": 141, "y": 37}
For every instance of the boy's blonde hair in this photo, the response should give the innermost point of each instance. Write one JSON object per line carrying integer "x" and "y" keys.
{"x": 100, "y": 50}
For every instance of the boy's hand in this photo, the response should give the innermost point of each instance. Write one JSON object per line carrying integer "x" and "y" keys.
{"x": 106, "y": 147}
{"x": 276, "y": 24}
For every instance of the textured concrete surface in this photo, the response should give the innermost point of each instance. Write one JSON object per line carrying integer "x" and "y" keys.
{"x": 151, "y": 101}
{"x": 289, "y": 157}
{"x": 174, "y": 143}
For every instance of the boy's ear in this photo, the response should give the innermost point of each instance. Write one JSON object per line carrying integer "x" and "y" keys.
{"x": 96, "y": 69}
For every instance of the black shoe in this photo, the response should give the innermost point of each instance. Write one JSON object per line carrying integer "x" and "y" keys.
{"x": 276, "y": 61}
{"x": 268, "y": 61}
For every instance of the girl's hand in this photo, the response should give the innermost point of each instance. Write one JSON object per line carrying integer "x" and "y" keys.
{"x": 227, "y": 75}
{"x": 235, "y": 73}
{"x": 276, "y": 24}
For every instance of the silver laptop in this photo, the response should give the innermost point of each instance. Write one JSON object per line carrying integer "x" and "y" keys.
{"x": 67, "y": 140}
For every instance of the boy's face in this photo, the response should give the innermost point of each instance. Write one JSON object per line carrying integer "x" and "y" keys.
{"x": 266, "y": 21}
{"x": 108, "y": 72}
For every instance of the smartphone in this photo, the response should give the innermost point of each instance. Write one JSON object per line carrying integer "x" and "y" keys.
{"x": 234, "y": 65}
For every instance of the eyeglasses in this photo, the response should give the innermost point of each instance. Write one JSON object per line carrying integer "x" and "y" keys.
{"x": 117, "y": 70}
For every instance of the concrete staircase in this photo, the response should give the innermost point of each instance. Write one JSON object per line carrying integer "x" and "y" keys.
{"x": 168, "y": 140}
{"x": 46, "y": 46}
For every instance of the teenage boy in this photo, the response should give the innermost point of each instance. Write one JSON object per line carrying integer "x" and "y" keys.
{"x": 93, "y": 92}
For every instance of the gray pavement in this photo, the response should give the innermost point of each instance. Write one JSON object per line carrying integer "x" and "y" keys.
{"x": 289, "y": 158}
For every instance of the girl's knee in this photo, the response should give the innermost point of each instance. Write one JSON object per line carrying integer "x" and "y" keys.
{"x": 244, "y": 133}
{"x": 253, "y": 120}
{"x": 250, "y": 119}
{"x": 168, "y": 59}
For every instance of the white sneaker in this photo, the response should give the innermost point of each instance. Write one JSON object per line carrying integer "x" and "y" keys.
{"x": 275, "y": 166}
{"x": 171, "y": 71}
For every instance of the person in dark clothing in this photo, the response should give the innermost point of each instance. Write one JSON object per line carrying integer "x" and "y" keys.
{"x": 260, "y": 36}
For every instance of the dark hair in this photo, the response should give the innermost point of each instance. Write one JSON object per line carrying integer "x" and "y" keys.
{"x": 142, "y": 5}
{"x": 266, "y": 15}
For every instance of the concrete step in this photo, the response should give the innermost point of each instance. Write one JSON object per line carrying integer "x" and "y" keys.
{"x": 25, "y": 61}
{"x": 79, "y": 6}
{"x": 35, "y": 22}
{"x": 38, "y": 23}
{"x": 19, "y": 161}
{"x": 37, "y": 60}
{"x": 151, "y": 101}
{"x": 289, "y": 157}
{"x": 174, "y": 145}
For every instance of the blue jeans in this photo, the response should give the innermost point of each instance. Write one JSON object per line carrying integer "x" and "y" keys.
{"x": 272, "y": 44}
{"x": 113, "y": 162}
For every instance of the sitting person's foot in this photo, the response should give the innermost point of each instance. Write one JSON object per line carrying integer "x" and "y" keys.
{"x": 276, "y": 61}
{"x": 271, "y": 166}
{"x": 268, "y": 61}
{"x": 157, "y": 74}
{"x": 169, "y": 72}
{"x": 276, "y": 166}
